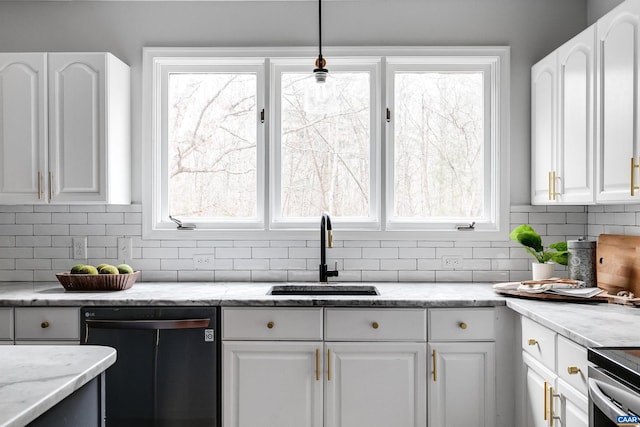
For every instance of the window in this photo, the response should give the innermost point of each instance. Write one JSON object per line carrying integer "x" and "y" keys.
{"x": 398, "y": 141}
{"x": 325, "y": 144}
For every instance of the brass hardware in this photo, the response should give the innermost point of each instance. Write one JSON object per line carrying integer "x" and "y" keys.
{"x": 551, "y": 416}
{"x": 44, "y": 324}
{"x": 329, "y": 238}
{"x": 375, "y": 325}
{"x": 270, "y": 325}
{"x": 433, "y": 357}
{"x": 573, "y": 370}
{"x": 328, "y": 364}
{"x": 549, "y": 185}
{"x": 462, "y": 325}
{"x": 546, "y": 386}
{"x": 634, "y": 187}
{"x": 50, "y": 185}
{"x": 532, "y": 341}
{"x": 39, "y": 186}
{"x": 554, "y": 180}
{"x": 317, "y": 364}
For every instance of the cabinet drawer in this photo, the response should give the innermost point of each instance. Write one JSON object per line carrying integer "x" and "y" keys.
{"x": 272, "y": 324}
{"x": 572, "y": 364}
{"x": 379, "y": 324}
{"x": 6, "y": 324}
{"x": 539, "y": 342}
{"x": 462, "y": 324}
{"x": 36, "y": 323}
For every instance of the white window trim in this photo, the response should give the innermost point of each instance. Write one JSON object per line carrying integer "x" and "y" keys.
{"x": 500, "y": 56}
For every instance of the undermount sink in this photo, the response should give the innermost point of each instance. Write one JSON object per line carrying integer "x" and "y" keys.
{"x": 323, "y": 290}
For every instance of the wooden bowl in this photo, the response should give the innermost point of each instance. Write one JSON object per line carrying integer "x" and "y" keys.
{"x": 97, "y": 282}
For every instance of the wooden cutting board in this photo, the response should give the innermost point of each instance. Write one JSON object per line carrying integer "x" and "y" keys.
{"x": 618, "y": 263}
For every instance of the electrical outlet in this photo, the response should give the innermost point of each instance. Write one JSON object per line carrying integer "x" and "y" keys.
{"x": 203, "y": 262}
{"x": 125, "y": 247}
{"x": 79, "y": 248}
{"x": 451, "y": 262}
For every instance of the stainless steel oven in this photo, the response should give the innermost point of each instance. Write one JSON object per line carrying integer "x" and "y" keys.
{"x": 614, "y": 386}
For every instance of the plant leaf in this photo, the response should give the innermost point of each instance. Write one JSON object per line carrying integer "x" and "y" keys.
{"x": 530, "y": 239}
{"x": 559, "y": 246}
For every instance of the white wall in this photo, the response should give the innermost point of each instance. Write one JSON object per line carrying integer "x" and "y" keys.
{"x": 597, "y": 8}
{"x": 532, "y": 28}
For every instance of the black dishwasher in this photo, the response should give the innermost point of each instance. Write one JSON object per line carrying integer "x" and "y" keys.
{"x": 168, "y": 364}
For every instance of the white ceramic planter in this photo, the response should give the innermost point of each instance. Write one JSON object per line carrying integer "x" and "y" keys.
{"x": 542, "y": 271}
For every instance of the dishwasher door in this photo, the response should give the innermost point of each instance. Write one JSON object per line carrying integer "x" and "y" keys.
{"x": 167, "y": 368}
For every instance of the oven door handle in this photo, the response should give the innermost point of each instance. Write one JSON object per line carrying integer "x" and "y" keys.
{"x": 603, "y": 402}
{"x": 148, "y": 324}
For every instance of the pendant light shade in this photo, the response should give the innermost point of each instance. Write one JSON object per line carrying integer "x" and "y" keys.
{"x": 320, "y": 72}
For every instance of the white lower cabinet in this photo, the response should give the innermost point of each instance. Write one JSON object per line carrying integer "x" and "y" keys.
{"x": 375, "y": 384}
{"x": 47, "y": 325}
{"x": 462, "y": 372}
{"x": 272, "y": 384}
{"x": 346, "y": 369}
{"x": 6, "y": 325}
{"x": 555, "y": 378}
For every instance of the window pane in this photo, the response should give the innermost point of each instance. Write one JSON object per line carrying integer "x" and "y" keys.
{"x": 439, "y": 145}
{"x": 325, "y": 145}
{"x": 212, "y": 145}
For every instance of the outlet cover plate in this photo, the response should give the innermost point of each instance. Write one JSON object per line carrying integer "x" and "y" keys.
{"x": 451, "y": 262}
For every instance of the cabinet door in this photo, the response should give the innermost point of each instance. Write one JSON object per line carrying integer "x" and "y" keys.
{"x": 543, "y": 129}
{"x": 617, "y": 56}
{"x": 574, "y": 406}
{"x": 77, "y": 127}
{"x": 375, "y": 384}
{"x": 23, "y": 128}
{"x": 575, "y": 166}
{"x": 537, "y": 380}
{"x": 272, "y": 384}
{"x": 462, "y": 384}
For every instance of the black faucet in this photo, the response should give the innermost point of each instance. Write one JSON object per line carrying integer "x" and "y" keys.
{"x": 326, "y": 239}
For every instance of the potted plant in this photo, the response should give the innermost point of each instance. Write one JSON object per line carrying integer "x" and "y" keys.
{"x": 556, "y": 252}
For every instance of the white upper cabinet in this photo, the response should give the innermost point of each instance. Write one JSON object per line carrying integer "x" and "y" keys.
{"x": 65, "y": 128}
{"x": 576, "y": 159}
{"x": 617, "y": 106}
{"x": 544, "y": 95}
{"x": 562, "y": 123}
{"x": 23, "y": 129}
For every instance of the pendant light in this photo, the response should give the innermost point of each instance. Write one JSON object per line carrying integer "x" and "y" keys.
{"x": 320, "y": 72}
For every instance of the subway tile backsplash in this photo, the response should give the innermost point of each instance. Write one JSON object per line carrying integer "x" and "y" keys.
{"x": 35, "y": 243}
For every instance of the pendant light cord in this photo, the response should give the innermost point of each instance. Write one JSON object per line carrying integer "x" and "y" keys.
{"x": 320, "y": 30}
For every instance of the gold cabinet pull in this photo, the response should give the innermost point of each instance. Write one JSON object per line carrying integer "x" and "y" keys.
{"x": 44, "y": 325}
{"x": 39, "y": 186}
{"x": 551, "y": 416}
{"x": 50, "y": 185}
{"x": 328, "y": 364}
{"x": 375, "y": 325}
{"x": 573, "y": 370}
{"x": 270, "y": 325}
{"x": 532, "y": 341}
{"x": 546, "y": 387}
{"x": 549, "y": 185}
{"x": 317, "y": 364}
{"x": 462, "y": 325}
{"x": 433, "y": 358}
{"x": 553, "y": 186}
{"x": 634, "y": 187}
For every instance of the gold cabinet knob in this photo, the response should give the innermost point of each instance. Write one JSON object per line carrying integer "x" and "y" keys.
{"x": 44, "y": 324}
{"x": 270, "y": 325}
{"x": 375, "y": 325}
{"x": 462, "y": 325}
{"x": 573, "y": 370}
{"x": 532, "y": 341}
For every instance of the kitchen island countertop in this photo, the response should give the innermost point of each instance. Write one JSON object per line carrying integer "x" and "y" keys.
{"x": 35, "y": 378}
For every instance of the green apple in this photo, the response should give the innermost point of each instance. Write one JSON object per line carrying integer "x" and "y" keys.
{"x": 125, "y": 269}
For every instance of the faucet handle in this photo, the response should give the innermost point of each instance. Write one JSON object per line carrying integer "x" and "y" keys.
{"x": 335, "y": 266}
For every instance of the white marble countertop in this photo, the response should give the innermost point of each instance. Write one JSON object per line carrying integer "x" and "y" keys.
{"x": 250, "y": 294}
{"x": 34, "y": 378}
{"x": 586, "y": 324}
